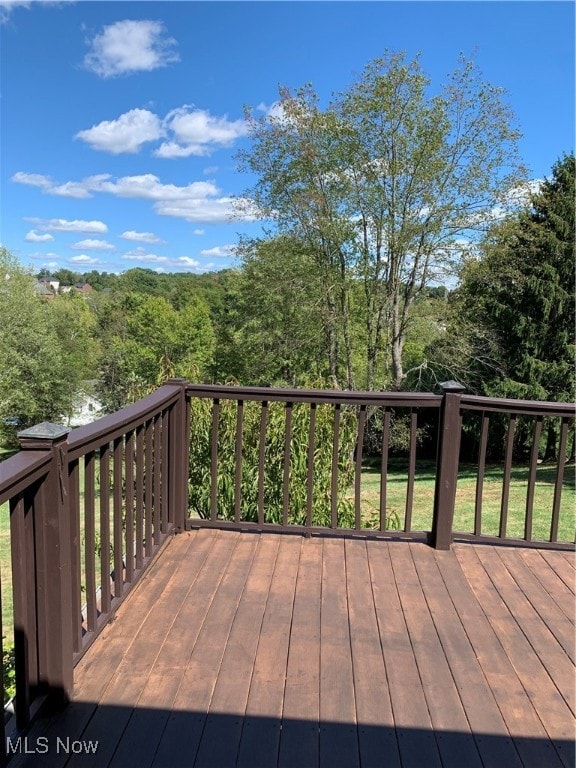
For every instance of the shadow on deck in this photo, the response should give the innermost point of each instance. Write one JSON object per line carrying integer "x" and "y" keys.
{"x": 260, "y": 650}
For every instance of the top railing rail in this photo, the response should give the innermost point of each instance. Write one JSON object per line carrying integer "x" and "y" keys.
{"x": 20, "y": 472}
{"x": 519, "y": 407}
{"x": 328, "y": 396}
{"x": 114, "y": 425}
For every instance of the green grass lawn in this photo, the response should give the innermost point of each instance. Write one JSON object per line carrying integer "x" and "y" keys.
{"x": 423, "y": 502}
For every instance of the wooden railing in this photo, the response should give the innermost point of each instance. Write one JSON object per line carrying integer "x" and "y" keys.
{"x": 90, "y": 508}
{"x": 271, "y": 460}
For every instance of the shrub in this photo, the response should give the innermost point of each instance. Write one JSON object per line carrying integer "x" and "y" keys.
{"x": 200, "y": 461}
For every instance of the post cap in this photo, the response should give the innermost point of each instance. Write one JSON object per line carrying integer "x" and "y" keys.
{"x": 43, "y": 431}
{"x": 452, "y": 386}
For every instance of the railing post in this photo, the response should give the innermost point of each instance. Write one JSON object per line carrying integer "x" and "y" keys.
{"x": 447, "y": 465}
{"x": 52, "y": 545}
{"x": 178, "y": 457}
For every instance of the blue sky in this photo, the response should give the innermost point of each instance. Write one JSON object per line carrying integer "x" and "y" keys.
{"x": 120, "y": 121}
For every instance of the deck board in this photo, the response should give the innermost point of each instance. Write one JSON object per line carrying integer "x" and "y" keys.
{"x": 261, "y": 650}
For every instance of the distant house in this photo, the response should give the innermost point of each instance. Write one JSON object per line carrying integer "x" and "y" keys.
{"x": 43, "y": 290}
{"x": 83, "y": 287}
{"x": 51, "y": 282}
{"x": 86, "y": 409}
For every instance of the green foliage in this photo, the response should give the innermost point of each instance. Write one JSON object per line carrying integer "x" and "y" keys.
{"x": 141, "y": 334}
{"x": 8, "y": 670}
{"x": 510, "y": 325}
{"x": 513, "y": 313}
{"x": 275, "y": 321}
{"x": 200, "y": 463}
{"x": 381, "y": 188}
{"x": 46, "y": 350}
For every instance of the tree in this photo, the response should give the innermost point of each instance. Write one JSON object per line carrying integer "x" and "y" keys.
{"x": 67, "y": 277}
{"x": 275, "y": 321}
{"x": 522, "y": 292}
{"x": 141, "y": 335}
{"x": 510, "y": 329}
{"x": 383, "y": 186}
{"x": 37, "y": 375}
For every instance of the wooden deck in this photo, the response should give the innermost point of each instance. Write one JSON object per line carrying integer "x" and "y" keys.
{"x": 261, "y": 650}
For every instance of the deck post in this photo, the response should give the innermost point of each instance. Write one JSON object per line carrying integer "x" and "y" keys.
{"x": 178, "y": 457}
{"x": 52, "y": 554}
{"x": 447, "y": 465}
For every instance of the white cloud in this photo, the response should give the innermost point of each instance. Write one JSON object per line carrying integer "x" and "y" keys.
{"x": 74, "y": 189}
{"x": 210, "y": 170}
{"x": 83, "y": 259}
{"x": 141, "y": 237}
{"x": 35, "y": 237}
{"x": 130, "y": 46}
{"x": 93, "y": 245}
{"x": 7, "y": 6}
{"x": 187, "y": 131}
{"x": 521, "y": 194}
{"x": 199, "y": 201}
{"x": 274, "y": 113}
{"x": 38, "y": 255}
{"x": 148, "y": 187}
{"x": 197, "y": 132}
{"x": 220, "y": 251}
{"x": 126, "y": 134}
{"x": 63, "y": 225}
{"x": 199, "y": 232}
{"x": 142, "y": 255}
{"x": 186, "y": 261}
{"x": 32, "y": 179}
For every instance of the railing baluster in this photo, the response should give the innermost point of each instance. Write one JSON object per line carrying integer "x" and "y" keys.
{"x": 480, "y": 474}
{"x": 129, "y": 536}
{"x": 334, "y": 476}
{"x": 238, "y": 462}
{"x": 411, "y": 470}
{"x": 148, "y": 485}
{"x": 90, "y": 541}
{"x": 140, "y": 484}
{"x": 532, "y": 478}
{"x": 117, "y": 518}
{"x": 507, "y": 473}
{"x": 74, "y": 493}
{"x": 157, "y": 490}
{"x": 384, "y": 469}
{"x": 105, "y": 528}
{"x": 214, "y": 460}
{"x": 559, "y": 480}
{"x": 286, "y": 472}
{"x": 261, "y": 459}
{"x": 164, "y": 475}
{"x": 310, "y": 465}
{"x": 358, "y": 469}
{"x": 23, "y": 604}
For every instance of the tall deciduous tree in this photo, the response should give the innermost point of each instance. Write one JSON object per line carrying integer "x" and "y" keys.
{"x": 385, "y": 186}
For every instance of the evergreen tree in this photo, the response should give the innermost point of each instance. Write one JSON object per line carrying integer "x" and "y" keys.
{"x": 522, "y": 292}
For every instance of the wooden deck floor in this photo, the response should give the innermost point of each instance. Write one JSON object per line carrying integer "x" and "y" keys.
{"x": 264, "y": 650}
